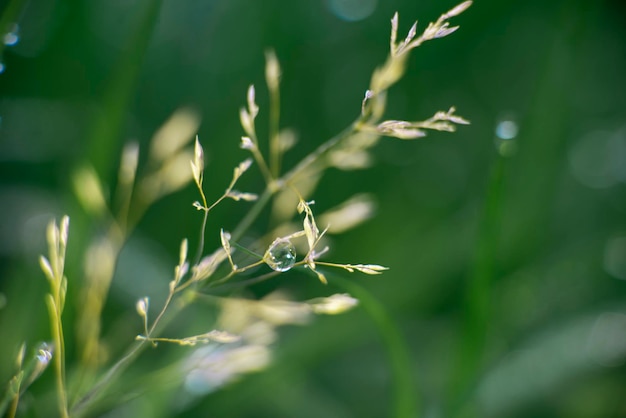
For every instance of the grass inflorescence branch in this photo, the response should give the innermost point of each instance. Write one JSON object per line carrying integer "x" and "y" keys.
{"x": 171, "y": 164}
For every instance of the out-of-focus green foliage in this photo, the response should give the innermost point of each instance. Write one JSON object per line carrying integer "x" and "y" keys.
{"x": 506, "y": 241}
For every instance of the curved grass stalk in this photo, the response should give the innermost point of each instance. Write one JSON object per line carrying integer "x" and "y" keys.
{"x": 406, "y": 400}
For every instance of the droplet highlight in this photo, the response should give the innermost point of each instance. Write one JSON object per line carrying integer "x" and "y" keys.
{"x": 281, "y": 255}
{"x": 506, "y": 131}
{"x": 44, "y": 354}
{"x": 12, "y": 37}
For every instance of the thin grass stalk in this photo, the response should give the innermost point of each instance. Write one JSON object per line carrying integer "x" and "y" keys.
{"x": 59, "y": 356}
{"x": 91, "y": 398}
{"x": 406, "y": 401}
{"x": 105, "y": 133}
{"x": 477, "y": 309}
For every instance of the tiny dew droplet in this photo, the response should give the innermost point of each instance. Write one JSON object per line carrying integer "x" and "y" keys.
{"x": 44, "y": 354}
{"x": 281, "y": 255}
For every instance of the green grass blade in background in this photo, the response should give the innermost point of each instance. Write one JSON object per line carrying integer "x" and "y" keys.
{"x": 477, "y": 309}
{"x": 106, "y": 133}
{"x": 406, "y": 397}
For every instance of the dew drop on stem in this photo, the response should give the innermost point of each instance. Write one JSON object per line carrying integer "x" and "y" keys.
{"x": 44, "y": 353}
{"x": 281, "y": 255}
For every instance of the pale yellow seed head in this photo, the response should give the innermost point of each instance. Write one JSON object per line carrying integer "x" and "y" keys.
{"x": 89, "y": 190}
{"x": 174, "y": 134}
{"x": 333, "y": 305}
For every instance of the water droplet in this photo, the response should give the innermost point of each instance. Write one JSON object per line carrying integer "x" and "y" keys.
{"x": 44, "y": 354}
{"x": 352, "y": 10}
{"x": 12, "y": 36}
{"x": 281, "y": 255}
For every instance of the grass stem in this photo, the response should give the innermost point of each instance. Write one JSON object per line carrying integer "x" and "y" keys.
{"x": 405, "y": 394}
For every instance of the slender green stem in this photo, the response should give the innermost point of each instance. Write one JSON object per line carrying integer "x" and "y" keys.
{"x": 477, "y": 298}
{"x": 265, "y": 171}
{"x": 155, "y": 340}
{"x": 105, "y": 132}
{"x": 59, "y": 355}
{"x": 320, "y": 151}
{"x": 405, "y": 394}
{"x": 252, "y": 214}
{"x": 62, "y": 379}
{"x": 126, "y": 178}
{"x": 200, "y": 250}
{"x": 82, "y": 406}
{"x": 14, "y": 402}
{"x": 247, "y": 251}
{"x": 244, "y": 283}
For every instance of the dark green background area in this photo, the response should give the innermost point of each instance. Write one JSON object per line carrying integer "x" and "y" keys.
{"x": 507, "y": 273}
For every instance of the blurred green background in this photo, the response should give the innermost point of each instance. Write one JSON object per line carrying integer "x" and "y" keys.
{"x": 506, "y": 240}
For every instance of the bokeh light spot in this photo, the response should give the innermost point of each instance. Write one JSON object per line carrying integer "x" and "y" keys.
{"x": 598, "y": 160}
{"x": 506, "y": 129}
{"x": 352, "y": 10}
{"x": 12, "y": 37}
{"x": 615, "y": 257}
{"x": 607, "y": 342}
